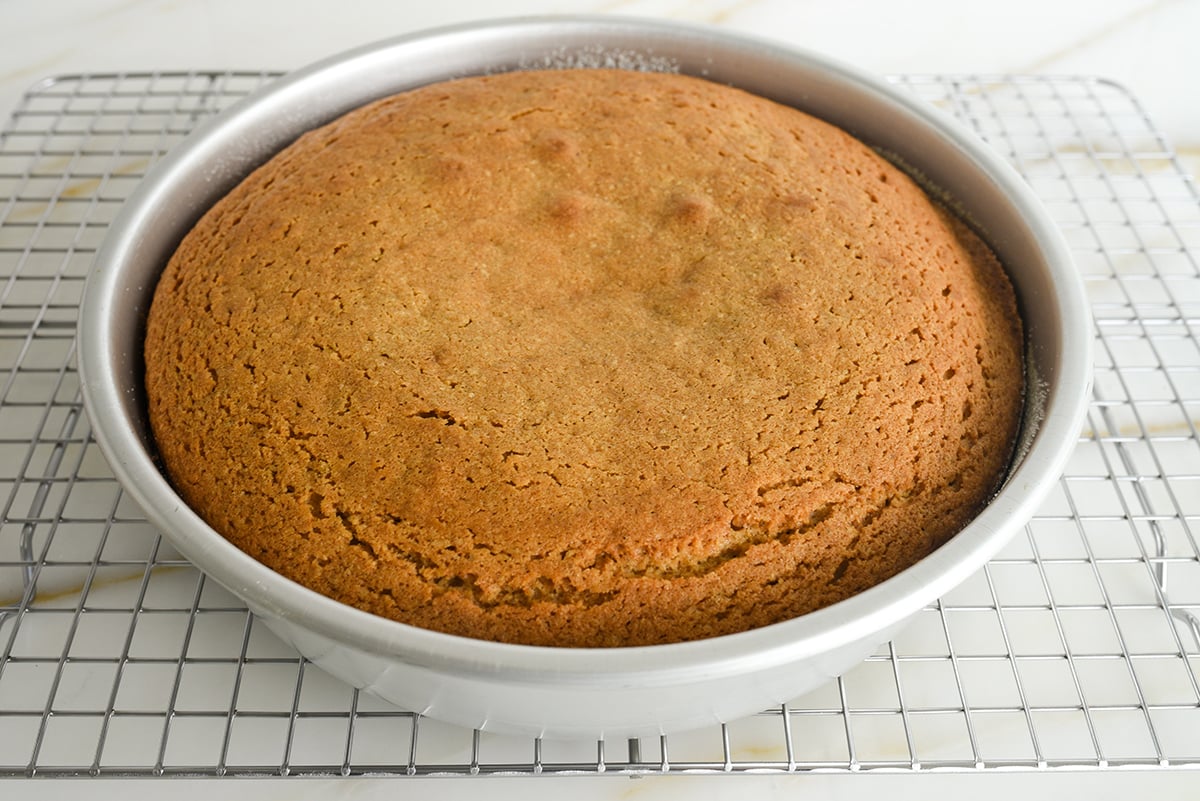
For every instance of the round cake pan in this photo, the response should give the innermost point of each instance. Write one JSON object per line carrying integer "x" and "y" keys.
{"x": 565, "y": 692}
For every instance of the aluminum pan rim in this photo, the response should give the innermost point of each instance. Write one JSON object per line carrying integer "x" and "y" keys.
{"x": 110, "y": 407}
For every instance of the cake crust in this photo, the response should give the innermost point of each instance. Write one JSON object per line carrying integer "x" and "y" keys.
{"x": 583, "y": 358}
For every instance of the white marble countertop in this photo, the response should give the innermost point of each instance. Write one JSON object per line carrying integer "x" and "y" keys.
{"x": 1149, "y": 46}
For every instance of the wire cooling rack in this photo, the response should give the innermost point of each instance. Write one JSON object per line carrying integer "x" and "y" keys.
{"x": 1079, "y": 646}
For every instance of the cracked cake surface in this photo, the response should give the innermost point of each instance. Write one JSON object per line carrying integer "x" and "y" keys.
{"x": 583, "y": 358}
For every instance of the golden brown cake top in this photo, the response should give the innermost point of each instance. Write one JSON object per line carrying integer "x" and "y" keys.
{"x": 583, "y": 357}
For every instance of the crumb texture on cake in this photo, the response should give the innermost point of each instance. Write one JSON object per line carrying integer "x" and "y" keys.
{"x": 583, "y": 358}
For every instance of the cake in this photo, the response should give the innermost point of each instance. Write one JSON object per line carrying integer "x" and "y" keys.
{"x": 583, "y": 358}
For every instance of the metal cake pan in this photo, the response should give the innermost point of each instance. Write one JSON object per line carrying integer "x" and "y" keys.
{"x": 561, "y": 692}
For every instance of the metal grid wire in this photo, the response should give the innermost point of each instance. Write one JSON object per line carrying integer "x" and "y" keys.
{"x": 1079, "y": 646}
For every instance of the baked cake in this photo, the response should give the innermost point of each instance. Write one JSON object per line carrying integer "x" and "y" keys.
{"x": 583, "y": 358}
